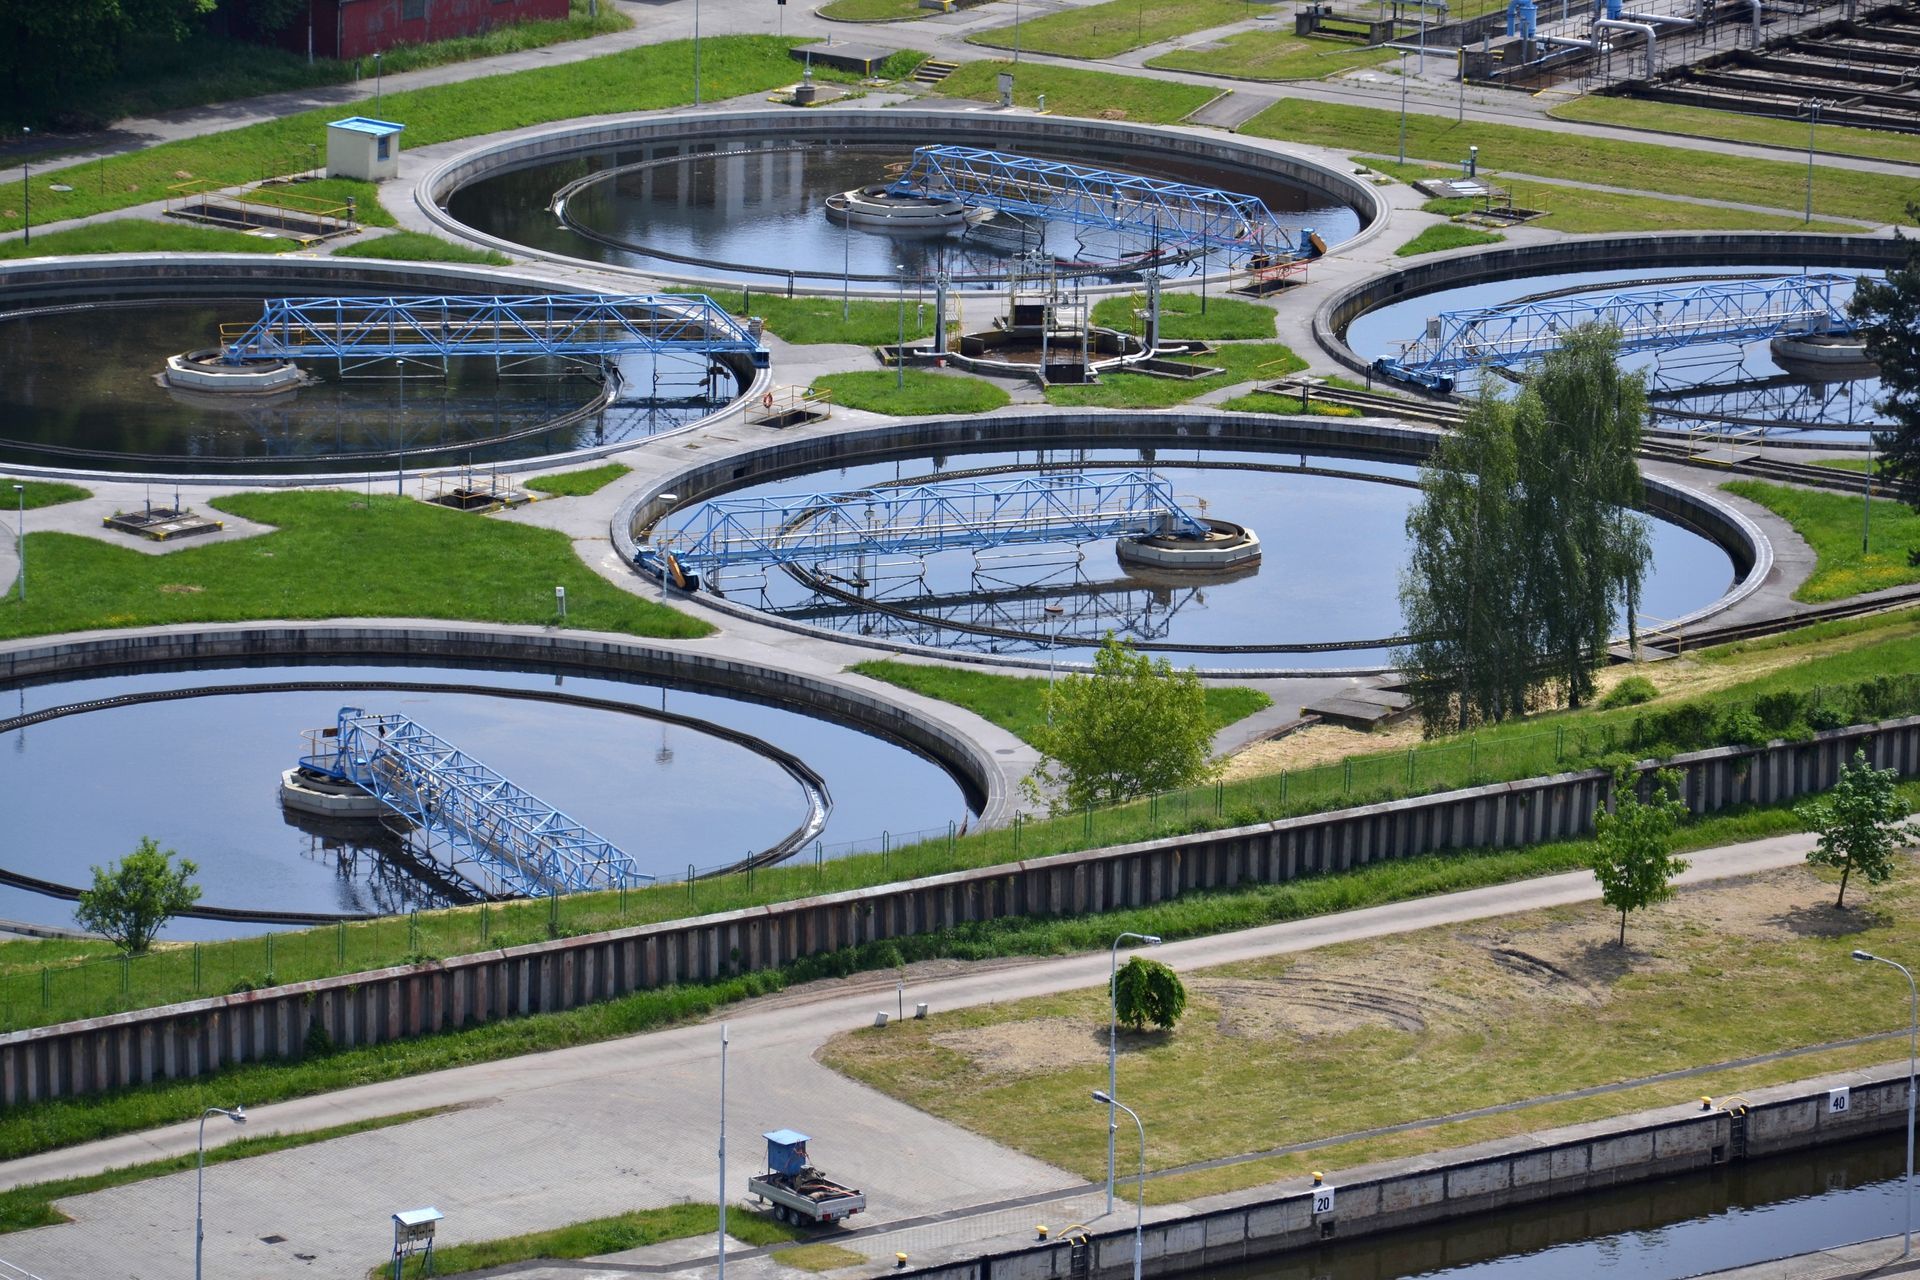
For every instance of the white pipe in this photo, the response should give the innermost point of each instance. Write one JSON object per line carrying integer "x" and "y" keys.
{"x": 1659, "y": 17}
{"x": 1644, "y": 28}
{"x": 1756, "y": 21}
{"x": 1569, "y": 40}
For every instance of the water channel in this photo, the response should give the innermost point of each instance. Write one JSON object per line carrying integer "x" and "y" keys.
{"x": 201, "y": 775}
{"x": 1666, "y": 1229}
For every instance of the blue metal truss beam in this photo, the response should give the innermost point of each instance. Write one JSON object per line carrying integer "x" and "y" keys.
{"x": 917, "y": 519}
{"x": 506, "y": 841}
{"x": 578, "y": 325}
{"x": 1648, "y": 320}
{"x": 1172, "y": 212}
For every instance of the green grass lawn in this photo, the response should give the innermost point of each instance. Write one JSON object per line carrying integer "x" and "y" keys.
{"x": 417, "y": 246}
{"x": 367, "y": 209}
{"x": 1458, "y": 1028}
{"x": 1015, "y": 703}
{"x": 1243, "y": 362}
{"x": 1704, "y": 122}
{"x": 1267, "y": 402}
{"x": 1273, "y": 55}
{"x": 1832, "y": 524}
{"x": 1102, "y": 30}
{"x": 1448, "y": 235}
{"x": 641, "y": 79}
{"x": 136, "y": 235}
{"x": 412, "y": 560}
{"x": 1507, "y": 149}
{"x": 819, "y": 319}
{"x": 598, "y": 1236}
{"x": 1180, "y": 316}
{"x": 38, "y": 493}
{"x": 877, "y": 391}
{"x": 1072, "y": 92}
{"x": 578, "y": 484}
{"x": 32, "y": 1205}
{"x": 873, "y": 10}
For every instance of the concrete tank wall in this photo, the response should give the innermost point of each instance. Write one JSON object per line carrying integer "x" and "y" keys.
{"x": 192, "y": 1038}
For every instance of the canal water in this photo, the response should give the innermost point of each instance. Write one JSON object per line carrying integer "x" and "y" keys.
{"x": 202, "y": 776}
{"x": 1666, "y": 1229}
{"x": 757, "y": 216}
{"x": 1333, "y": 532}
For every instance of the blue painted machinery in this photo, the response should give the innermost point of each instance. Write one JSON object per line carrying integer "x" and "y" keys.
{"x": 506, "y": 842}
{"x": 1648, "y": 320}
{"x": 564, "y": 325}
{"x": 917, "y": 519}
{"x": 1168, "y": 212}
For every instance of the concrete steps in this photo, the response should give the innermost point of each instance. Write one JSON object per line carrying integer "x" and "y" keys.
{"x": 933, "y": 71}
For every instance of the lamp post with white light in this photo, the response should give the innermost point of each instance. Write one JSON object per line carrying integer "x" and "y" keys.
{"x": 239, "y": 1116}
{"x": 1140, "y": 1208}
{"x": 20, "y": 539}
{"x": 376, "y": 83}
{"x": 900, "y": 348}
{"x": 1113, "y": 1050}
{"x": 1913, "y": 1052}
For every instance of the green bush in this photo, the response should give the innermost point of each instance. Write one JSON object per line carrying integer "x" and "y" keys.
{"x": 1630, "y": 692}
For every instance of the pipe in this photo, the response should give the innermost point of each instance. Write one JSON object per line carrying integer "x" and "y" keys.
{"x": 1645, "y": 29}
{"x": 1756, "y": 21}
{"x": 1660, "y": 17}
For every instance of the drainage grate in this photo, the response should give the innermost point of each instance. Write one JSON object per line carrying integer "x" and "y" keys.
{"x": 273, "y": 1239}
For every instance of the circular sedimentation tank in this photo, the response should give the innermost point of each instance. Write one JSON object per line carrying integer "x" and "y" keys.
{"x": 746, "y": 199}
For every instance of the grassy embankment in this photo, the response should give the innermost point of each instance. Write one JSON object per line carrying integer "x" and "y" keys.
{"x": 578, "y": 484}
{"x": 1734, "y": 126}
{"x": 643, "y": 79}
{"x": 160, "y": 75}
{"x": 1017, "y": 703}
{"x": 1273, "y": 55}
{"x": 44, "y": 1126}
{"x": 874, "y": 10}
{"x": 1181, "y": 318}
{"x": 1831, "y": 673}
{"x": 820, "y": 319}
{"x": 417, "y": 246}
{"x": 906, "y": 393}
{"x": 1101, "y": 95}
{"x": 1832, "y": 524}
{"x": 1446, "y": 236}
{"x": 39, "y": 493}
{"x": 1425, "y": 1026}
{"x": 1575, "y": 157}
{"x": 1102, "y": 30}
{"x": 416, "y": 562}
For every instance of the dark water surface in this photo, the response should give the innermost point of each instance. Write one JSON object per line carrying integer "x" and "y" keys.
{"x": 202, "y": 775}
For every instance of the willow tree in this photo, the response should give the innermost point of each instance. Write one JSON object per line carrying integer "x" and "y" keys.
{"x": 1525, "y": 549}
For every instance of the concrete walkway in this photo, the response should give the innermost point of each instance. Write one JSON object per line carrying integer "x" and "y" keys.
{"x": 552, "y": 1138}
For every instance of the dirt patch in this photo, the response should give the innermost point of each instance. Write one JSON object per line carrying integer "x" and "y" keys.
{"x": 1317, "y": 744}
{"x": 180, "y": 589}
{"x": 1307, "y": 1005}
{"x": 1022, "y": 1048}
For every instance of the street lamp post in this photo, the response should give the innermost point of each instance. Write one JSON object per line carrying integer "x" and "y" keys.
{"x": 376, "y": 84}
{"x": 720, "y": 1240}
{"x": 20, "y": 539}
{"x": 26, "y": 196}
{"x": 1403, "y": 106}
{"x": 696, "y": 52}
{"x": 846, "y": 266}
{"x": 900, "y": 349}
{"x": 1140, "y": 1207}
{"x": 1054, "y": 614}
{"x": 1113, "y": 1050}
{"x": 239, "y": 1116}
{"x": 1913, "y": 1051}
{"x": 1812, "y": 108}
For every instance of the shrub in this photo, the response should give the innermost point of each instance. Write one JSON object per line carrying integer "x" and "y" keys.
{"x": 1630, "y": 692}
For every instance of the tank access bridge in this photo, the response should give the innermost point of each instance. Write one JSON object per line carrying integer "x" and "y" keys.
{"x": 504, "y": 841}
{"x": 1648, "y": 320}
{"x": 568, "y": 326}
{"x": 915, "y": 519}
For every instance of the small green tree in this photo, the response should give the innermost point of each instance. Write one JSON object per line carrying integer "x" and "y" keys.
{"x": 1147, "y": 991}
{"x": 1859, "y": 824}
{"x": 1633, "y": 845}
{"x": 130, "y": 900}
{"x": 1132, "y": 727}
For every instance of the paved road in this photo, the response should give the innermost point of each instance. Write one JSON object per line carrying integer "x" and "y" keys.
{"x": 556, "y": 1137}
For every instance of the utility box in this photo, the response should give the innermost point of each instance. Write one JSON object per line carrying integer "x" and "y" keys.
{"x": 363, "y": 148}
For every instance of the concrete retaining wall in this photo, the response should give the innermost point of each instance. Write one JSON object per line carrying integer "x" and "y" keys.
{"x": 371, "y": 1008}
{"x": 1470, "y": 1180}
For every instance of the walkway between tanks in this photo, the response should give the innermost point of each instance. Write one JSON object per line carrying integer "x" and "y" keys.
{"x": 552, "y": 1138}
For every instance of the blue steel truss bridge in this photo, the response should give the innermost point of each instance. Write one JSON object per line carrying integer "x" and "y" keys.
{"x": 504, "y": 841}
{"x": 576, "y": 327}
{"x": 917, "y": 519}
{"x": 1648, "y": 320}
{"x": 1166, "y": 212}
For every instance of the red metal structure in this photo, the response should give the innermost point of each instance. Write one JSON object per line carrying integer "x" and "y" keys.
{"x": 357, "y": 28}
